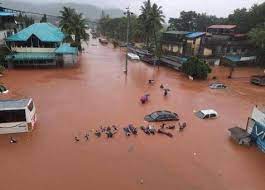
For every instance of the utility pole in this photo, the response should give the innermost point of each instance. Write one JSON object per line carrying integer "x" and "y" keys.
{"x": 128, "y": 13}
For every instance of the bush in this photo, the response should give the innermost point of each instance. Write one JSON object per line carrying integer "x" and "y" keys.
{"x": 2, "y": 69}
{"x": 196, "y": 68}
{"x": 115, "y": 43}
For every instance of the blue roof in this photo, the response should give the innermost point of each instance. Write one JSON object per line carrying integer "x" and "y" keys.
{"x": 2, "y": 13}
{"x": 66, "y": 49}
{"x": 46, "y": 32}
{"x": 195, "y": 34}
{"x": 233, "y": 58}
{"x": 177, "y": 32}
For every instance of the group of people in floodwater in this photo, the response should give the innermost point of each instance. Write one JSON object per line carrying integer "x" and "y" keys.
{"x": 129, "y": 130}
{"x": 145, "y": 97}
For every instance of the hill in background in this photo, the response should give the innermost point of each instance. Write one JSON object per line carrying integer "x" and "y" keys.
{"x": 90, "y": 11}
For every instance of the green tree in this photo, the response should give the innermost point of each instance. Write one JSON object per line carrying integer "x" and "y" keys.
{"x": 156, "y": 20}
{"x": 196, "y": 68}
{"x": 241, "y": 18}
{"x": 44, "y": 18}
{"x": 73, "y": 23}
{"x": 144, "y": 20}
{"x": 192, "y": 21}
{"x": 257, "y": 37}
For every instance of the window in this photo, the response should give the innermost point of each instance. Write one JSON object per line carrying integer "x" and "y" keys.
{"x": 8, "y": 116}
{"x": 212, "y": 115}
{"x": 154, "y": 115}
{"x": 162, "y": 117}
{"x": 30, "y": 107}
{"x": 207, "y": 116}
{"x": 200, "y": 114}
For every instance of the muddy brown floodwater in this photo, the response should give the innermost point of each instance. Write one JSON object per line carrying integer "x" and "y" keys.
{"x": 72, "y": 101}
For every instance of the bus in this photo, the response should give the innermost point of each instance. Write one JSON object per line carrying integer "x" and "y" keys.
{"x": 17, "y": 116}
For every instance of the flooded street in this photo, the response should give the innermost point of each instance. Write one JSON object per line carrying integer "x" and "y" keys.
{"x": 72, "y": 101}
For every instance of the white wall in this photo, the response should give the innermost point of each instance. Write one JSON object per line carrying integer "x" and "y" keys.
{"x": 31, "y": 49}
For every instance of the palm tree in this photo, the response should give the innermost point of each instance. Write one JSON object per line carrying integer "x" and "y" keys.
{"x": 73, "y": 23}
{"x": 144, "y": 19}
{"x": 151, "y": 19}
{"x": 156, "y": 19}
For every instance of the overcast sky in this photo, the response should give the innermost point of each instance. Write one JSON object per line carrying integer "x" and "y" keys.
{"x": 171, "y": 8}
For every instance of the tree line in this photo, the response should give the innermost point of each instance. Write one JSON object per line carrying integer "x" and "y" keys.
{"x": 143, "y": 28}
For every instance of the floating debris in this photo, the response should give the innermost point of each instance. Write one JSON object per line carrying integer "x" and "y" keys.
{"x": 162, "y": 131}
{"x": 77, "y": 139}
{"x": 12, "y": 140}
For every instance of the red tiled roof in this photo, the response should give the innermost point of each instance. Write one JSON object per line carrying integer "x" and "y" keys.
{"x": 223, "y": 26}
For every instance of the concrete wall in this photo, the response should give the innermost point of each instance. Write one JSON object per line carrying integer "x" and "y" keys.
{"x": 69, "y": 60}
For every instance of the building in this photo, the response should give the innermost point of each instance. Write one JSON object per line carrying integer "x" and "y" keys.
{"x": 7, "y": 25}
{"x": 223, "y": 40}
{"x": 256, "y": 127}
{"x": 182, "y": 43}
{"x": 40, "y": 44}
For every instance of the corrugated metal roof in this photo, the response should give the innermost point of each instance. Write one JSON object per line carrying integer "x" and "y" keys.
{"x": 66, "y": 49}
{"x": 30, "y": 56}
{"x": 46, "y": 32}
{"x": 177, "y": 32}
{"x": 2, "y": 13}
{"x": 237, "y": 58}
{"x": 195, "y": 34}
{"x": 217, "y": 26}
{"x": 9, "y": 104}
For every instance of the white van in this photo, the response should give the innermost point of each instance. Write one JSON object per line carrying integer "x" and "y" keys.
{"x": 17, "y": 116}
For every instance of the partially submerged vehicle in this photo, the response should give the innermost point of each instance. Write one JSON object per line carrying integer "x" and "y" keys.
{"x": 103, "y": 41}
{"x": 161, "y": 116}
{"x": 3, "y": 89}
{"x": 206, "y": 114}
{"x": 17, "y": 116}
{"x": 258, "y": 80}
{"x": 133, "y": 56}
{"x": 217, "y": 85}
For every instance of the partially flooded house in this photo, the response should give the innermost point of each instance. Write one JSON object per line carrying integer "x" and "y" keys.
{"x": 182, "y": 43}
{"x": 223, "y": 41}
{"x": 40, "y": 44}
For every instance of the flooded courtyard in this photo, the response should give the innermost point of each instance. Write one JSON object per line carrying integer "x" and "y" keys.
{"x": 72, "y": 101}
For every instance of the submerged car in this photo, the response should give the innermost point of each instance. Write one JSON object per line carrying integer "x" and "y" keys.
{"x": 206, "y": 114}
{"x": 217, "y": 86}
{"x": 133, "y": 56}
{"x": 3, "y": 89}
{"x": 161, "y": 116}
{"x": 258, "y": 80}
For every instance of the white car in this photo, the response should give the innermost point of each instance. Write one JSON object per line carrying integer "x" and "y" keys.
{"x": 217, "y": 86}
{"x": 133, "y": 56}
{"x": 207, "y": 114}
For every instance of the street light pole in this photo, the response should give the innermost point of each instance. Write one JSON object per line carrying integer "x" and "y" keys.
{"x": 128, "y": 13}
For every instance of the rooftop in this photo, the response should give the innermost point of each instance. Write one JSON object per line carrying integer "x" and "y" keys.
{"x": 46, "y": 32}
{"x": 177, "y": 32}
{"x": 66, "y": 49}
{"x": 187, "y": 34}
{"x": 222, "y": 26}
{"x": 209, "y": 111}
{"x": 195, "y": 34}
{"x": 2, "y": 13}
{"x": 11, "y": 104}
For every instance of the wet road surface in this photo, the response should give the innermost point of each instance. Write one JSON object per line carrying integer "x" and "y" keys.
{"x": 72, "y": 101}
